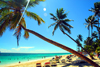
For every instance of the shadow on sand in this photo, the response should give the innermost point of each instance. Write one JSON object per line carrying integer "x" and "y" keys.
{"x": 82, "y": 64}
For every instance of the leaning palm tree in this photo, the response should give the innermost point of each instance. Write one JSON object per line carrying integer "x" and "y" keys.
{"x": 62, "y": 23}
{"x": 62, "y": 46}
{"x": 10, "y": 14}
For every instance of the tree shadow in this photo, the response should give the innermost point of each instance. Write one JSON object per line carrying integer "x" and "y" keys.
{"x": 81, "y": 64}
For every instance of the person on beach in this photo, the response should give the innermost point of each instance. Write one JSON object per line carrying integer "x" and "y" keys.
{"x": 19, "y": 62}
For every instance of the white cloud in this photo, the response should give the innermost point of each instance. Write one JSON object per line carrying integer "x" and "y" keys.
{"x": 18, "y": 49}
{"x": 5, "y": 50}
{"x": 26, "y": 50}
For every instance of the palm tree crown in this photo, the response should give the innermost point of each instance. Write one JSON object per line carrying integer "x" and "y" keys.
{"x": 60, "y": 21}
{"x": 10, "y": 13}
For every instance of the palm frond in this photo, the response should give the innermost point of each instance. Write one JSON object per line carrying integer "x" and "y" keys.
{"x": 58, "y": 13}
{"x": 63, "y": 16}
{"x": 18, "y": 34}
{"x": 61, "y": 11}
{"x": 88, "y": 25}
{"x": 34, "y": 2}
{"x": 54, "y": 17}
{"x": 5, "y": 15}
{"x": 92, "y": 9}
{"x": 3, "y": 10}
{"x": 77, "y": 40}
{"x": 61, "y": 28}
{"x": 18, "y": 3}
{"x": 56, "y": 26}
{"x": 85, "y": 23}
{"x": 4, "y": 25}
{"x": 68, "y": 20}
{"x": 97, "y": 5}
{"x": 80, "y": 37}
{"x": 87, "y": 20}
{"x": 3, "y": 3}
{"x": 95, "y": 26}
{"x": 66, "y": 24}
{"x": 14, "y": 20}
{"x": 22, "y": 22}
{"x": 34, "y": 16}
{"x": 66, "y": 28}
{"x": 52, "y": 24}
{"x": 26, "y": 34}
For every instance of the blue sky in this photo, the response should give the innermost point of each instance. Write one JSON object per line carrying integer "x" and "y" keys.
{"x": 78, "y": 11}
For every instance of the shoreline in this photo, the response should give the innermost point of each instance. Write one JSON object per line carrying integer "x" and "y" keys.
{"x": 27, "y": 62}
{"x": 31, "y": 62}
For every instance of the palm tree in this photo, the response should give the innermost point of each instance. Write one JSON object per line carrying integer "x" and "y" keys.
{"x": 96, "y": 10}
{"x": 63, "y": 25}
{"x": 88, "y": 27}
{"x": 78, "y": 46}
{"x": 90, "y": 24}
{"x": 10, "y": 13}
{"x": 10, "y": 19}
{"x": 78, "y": 41}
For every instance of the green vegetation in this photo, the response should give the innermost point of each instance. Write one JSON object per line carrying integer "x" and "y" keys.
{"x": 92, "y": 43}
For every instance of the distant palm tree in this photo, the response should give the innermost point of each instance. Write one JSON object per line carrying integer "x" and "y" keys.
{"x": 78, "y": 46}
{"x": 10, "y": 13}
{"x": 96, "y": 10}
{"x": 78, "y": 41}
{"x": 90, "y": 24}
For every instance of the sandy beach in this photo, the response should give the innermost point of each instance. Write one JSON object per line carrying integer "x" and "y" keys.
{"x": 66, "y": 64}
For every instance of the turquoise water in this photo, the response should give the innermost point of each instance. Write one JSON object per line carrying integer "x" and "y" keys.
{"x": 10, "y": 58}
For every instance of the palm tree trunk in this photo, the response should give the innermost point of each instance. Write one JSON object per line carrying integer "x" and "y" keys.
{"x": 89, "y": 32}
{"x": 62, "y": 46}
{"x": 77, "y": 43}
{"x": 98, "y": 29}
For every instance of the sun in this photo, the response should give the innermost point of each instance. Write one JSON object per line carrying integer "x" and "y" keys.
{"x": 44, "y": 9}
